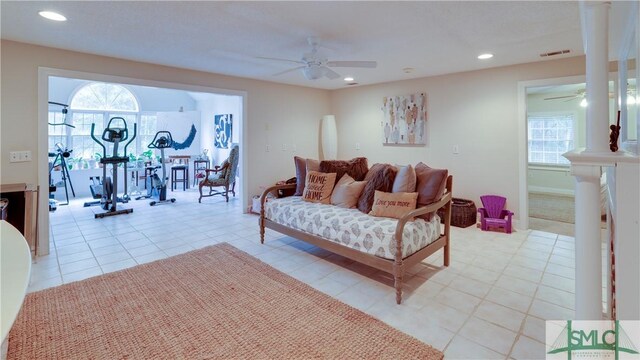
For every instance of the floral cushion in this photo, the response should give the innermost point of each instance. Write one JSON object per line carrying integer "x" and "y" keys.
{"x": 352, "y": 228}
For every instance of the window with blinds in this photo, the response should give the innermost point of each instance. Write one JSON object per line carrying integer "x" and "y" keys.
{"x": 550, "y": 136}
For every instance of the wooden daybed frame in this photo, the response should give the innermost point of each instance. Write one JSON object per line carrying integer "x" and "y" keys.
{"x": 395, "y": 267}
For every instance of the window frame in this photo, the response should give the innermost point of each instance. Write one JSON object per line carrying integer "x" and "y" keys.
{"x": 574, "y": 133}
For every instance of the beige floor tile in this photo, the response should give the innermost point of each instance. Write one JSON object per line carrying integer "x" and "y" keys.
{"x": 500, "y": 315}
{"x": 509, "y": 299}
{"x": 470, "y": 286}
{"x": 492, "y": 336}
{"x": 549, "y": 311}
{"x": 534, "y": 328}
{"x": 520, "y": 286}
{"x": 461, "y": 348}
{"x": 556, "y": 296}
{"x": 458, "y": 300}
{"x": 119, "y": 265}
{"x": 76, "y": 266}
{"x": 81, "y": 275}
{"x": 527, "y": 348}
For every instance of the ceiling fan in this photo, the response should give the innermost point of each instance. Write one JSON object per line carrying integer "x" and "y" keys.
{"x": 315, "y": 65}
{"x": 579, "y": 94}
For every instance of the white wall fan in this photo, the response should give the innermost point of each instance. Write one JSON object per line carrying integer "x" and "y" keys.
{"x": 314, "y": 65}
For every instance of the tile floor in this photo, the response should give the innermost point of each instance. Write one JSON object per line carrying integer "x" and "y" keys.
{"x": 490, "y": 303}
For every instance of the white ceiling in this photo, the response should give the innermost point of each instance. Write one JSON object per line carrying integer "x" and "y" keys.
{"x": 226, "y": 37}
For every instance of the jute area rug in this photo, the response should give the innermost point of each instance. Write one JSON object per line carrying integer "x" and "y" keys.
{"x": 217, "y": 302}
{"x": 552, "y": 207}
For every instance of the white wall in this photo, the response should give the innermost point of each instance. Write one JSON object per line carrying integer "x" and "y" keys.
{"x": 209, "y": 106}
{"x": 476, "y": 110}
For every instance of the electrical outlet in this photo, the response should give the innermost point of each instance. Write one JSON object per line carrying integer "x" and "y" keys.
{"x": 268, "y": 148}
{"x": 357, "y": 146}
{"x": 20, "y": 156}
{"x": 14, "y": 156}
{"x": 456, "y": 149}
{"x": 284, "y": 147}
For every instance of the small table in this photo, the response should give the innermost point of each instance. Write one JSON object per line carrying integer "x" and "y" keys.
{"x": 15, "y": 270}
{"x": 199, "y": 166}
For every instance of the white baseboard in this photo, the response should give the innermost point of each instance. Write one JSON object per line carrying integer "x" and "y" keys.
{"x": 552, "y": 191}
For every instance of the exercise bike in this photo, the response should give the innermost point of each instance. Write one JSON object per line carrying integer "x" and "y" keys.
{"x": 59, "y": 156}
{"x": 115, "y": 135}
{"x": 156, "y": 186}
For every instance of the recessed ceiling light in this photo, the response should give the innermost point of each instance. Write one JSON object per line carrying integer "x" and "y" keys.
{"x": 408, "y": 70}
{"x": 52, "y": 16}
{"x": 485, "y": 56}
{"x": 348, "y": 78}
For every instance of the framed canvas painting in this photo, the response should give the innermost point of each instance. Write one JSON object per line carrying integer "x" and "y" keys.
{"x": 405, "y": 119}
{"x": 222, "y": 129}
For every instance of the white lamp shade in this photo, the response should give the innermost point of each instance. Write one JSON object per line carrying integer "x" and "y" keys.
{"x": 329, "y": 137}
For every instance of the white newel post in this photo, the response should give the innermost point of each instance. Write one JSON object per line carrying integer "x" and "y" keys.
{"x": 597, "y": 66}
{"x": 587, "y": 171}
{"x": 588, "y": 245}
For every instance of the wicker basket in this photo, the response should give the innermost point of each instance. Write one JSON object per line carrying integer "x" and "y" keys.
{"x": 463, "y": 212}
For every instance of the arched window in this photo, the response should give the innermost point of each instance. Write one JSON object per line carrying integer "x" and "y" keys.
{"x": 94, "y": 103}
{"x": 104, "y": 97}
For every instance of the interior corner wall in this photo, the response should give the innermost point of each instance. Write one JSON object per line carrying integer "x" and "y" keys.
{"x": 275, "y": 113}
{"x": 475, "y": 110}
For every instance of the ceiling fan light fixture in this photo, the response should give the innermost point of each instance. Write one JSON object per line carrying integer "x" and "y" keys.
{"x": 52, "y": 15}
{"x": 485, "y": 56}
{"x": 312, "y": 72}
{"x": 348, "y": 78}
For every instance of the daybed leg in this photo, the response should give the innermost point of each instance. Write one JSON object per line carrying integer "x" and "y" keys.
{"x": 446, "y": 254}
{"x": 398, "y": 285}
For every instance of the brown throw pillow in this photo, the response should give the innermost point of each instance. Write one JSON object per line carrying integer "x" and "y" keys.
{"x": 302, "y": 166}
{"x": 318, "y": 187}
{"x": 405, "y": 180}
{"x": 356, "y": 168}
{"x": 430, "y": 185}
{"x": 301, "y": 174}
{"x": 393, "y": 205}
{"x": 380, "y": 177}
{"x": 347, "y": 192}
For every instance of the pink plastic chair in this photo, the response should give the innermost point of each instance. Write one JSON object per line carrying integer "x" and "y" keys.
{"x": 493, "y": 214}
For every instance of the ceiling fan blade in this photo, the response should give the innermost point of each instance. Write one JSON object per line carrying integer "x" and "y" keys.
{"x": 290, "y": 70}
{"x": 278, "y": 59}
{"x": 330, "y": 73}
{"x": 561, "y": 97}
{"x": 357, "y": 64}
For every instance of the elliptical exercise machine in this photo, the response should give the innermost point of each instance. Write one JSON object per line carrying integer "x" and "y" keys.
{"x": 157, "y": 186}
{"x": 114, "y": 135}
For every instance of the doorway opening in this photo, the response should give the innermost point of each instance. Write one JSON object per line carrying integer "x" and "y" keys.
{"x": 77, "y": 101}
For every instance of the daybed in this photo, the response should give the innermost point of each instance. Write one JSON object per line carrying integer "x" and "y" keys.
{"x": 390, "y": 245}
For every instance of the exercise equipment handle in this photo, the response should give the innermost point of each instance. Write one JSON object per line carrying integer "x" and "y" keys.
{"x": 135, "y": 131}
{"x": 93, "y": 136}
{"x": 162, "y": 140}
{"x": 124, "y": 131}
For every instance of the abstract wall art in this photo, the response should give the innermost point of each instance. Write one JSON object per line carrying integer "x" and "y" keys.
{"x": 405, "y": 119}
{"x": 223, "y": 127}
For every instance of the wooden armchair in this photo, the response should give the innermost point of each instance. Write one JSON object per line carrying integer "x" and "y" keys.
{"x": 223, "y": 175}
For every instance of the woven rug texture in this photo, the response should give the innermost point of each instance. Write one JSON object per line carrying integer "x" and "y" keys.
{"x": 213, "y": 303}
{"x": 552, "y": 207}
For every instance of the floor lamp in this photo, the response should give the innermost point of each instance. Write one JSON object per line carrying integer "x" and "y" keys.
{"x": 329, "y": 137}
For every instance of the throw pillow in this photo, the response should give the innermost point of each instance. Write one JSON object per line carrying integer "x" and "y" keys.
{"x": 347, "y": 192}
{"x": 301, "y": 174}
{"x": 318, "y": 187}
{"x": 405, "y": 180}
{"x": 393, "y": 205}
{"x": 302, "y": 166}
{"x": 356, "y": 168}
{"x": 430, "y": 185}
{"x": 380, "y": 177}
